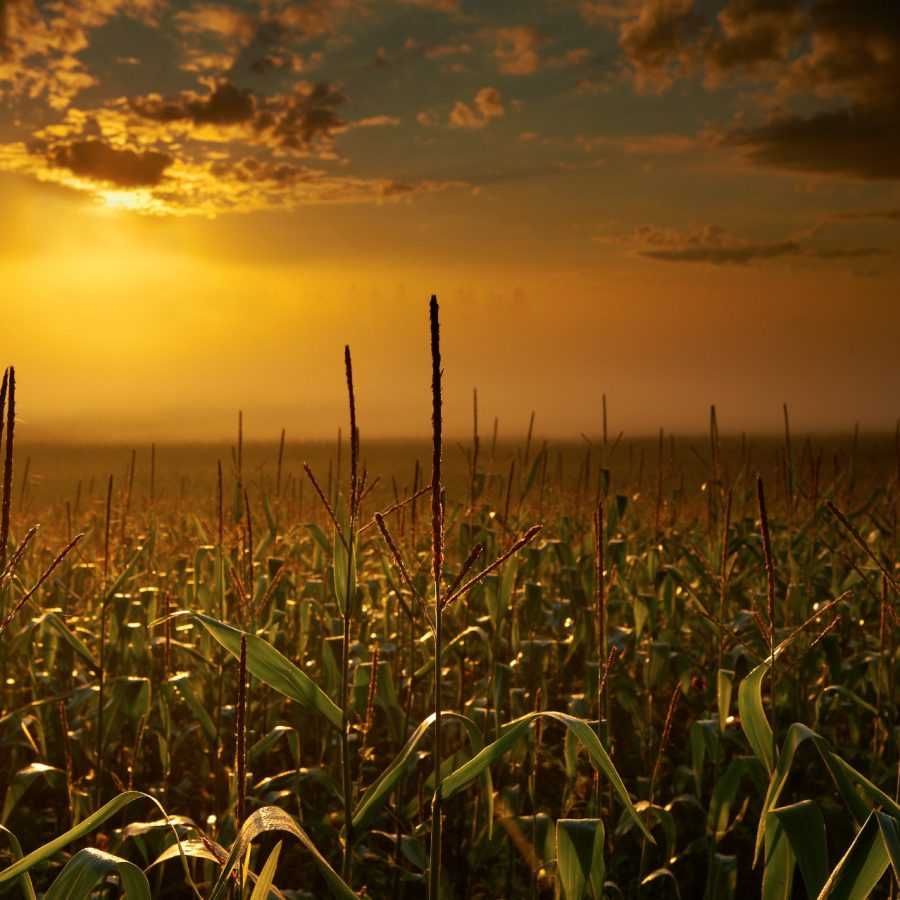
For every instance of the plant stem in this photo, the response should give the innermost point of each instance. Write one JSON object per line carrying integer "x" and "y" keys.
{"x": 101, "y": 662}
{"x": 437, "y": 526}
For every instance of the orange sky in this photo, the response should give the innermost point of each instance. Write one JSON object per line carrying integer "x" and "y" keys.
{"x": 673, "y": 202}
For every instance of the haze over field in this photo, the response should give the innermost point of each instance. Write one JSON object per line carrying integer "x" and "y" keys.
{"x": 673, "y": 202}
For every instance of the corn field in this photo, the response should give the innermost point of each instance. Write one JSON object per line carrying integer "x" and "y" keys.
{"x": 516, "y": 672}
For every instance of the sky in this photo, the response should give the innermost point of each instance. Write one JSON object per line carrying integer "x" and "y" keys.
{"x": 673, "y": 202}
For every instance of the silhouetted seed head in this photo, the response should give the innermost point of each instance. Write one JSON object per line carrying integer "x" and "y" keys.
{"x": 354, "y": 435}
{"x": 325, "y": 502}
{"x": 39, "y": 583}
{"x": 109, "y": 491}
{"x": 16, "y": 558}
{"x": 607, "y": 668}
{"x": 474, "y": 555}
{"x": 825, "y": 631}
{"x": 861, "y": 543}
{"x": 373, "y": 687}
{"x": 510, "y": 551}
{"x": 437, "y": 524}
{"x": 8, "y": 462}
{"x": 767, "y": 549}
{"x": 664, "y": 740}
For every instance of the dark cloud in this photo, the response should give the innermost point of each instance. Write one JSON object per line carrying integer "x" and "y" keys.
{"x": 749, "y": 34}
{"x": 254, "y": 171}
{"x": 716, "y": 246}
{"x": 98, "y": 161}
{"x": 850, "y": 252}
{"x": 292, "y": 121}
{"x": 296, "y": 120}
{"x": 869, "y": 215}
{"x": 833, "y": 67}
{"x": 853, "y": 52}
{"x": 858, "y": 141}
{"x": 850, "y": 59}
{"x": 225, "y": 105}
{"x": 4, "y": 26}
{"x": 725, "y": 255}
{"x": 660, "y": 38}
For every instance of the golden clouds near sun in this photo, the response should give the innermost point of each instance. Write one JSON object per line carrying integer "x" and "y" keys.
{"x": 126, "y": 201}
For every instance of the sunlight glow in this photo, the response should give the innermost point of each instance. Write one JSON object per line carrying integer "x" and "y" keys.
{"x": 132, "y": 201}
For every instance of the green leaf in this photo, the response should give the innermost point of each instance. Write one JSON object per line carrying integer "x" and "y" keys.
{"x": 320, "y": 537}
{"x": 704, "y": 740}
{"x": 272, "y": 668}
{"x": 22, "y": 780}
{"x": 861, "y": 867}
{"x": 427, "y": 667}
{"x": 890, "y": 834}
{"x": 195, "y": 848}
{"x": 182, "y": 684}
{"x": 721, "y": 879}
{"x": 724, "y": 690}
{"x": 658, "y": 875}
{"x": 515, "y": 730}
{"x": 726, "y": 790}
{"x": 16, "y": 848}
{"x": 69, "y": 636}
{"x": 344, "y": 589}
{"x": 272, "y": 818}
{"x": 579, "y": 857}
{"x": 656, "y": 815}
{"x": 380, "y": 789}
{"x": 267, "y": 875}
{"x": 842, "y": 772}
{"x": 84, "y": 828}
{"x": 778, "y": 875}
{"x": 87, "y": 867}
{"x": 123, "y": 576}
{"x": 753, "y": 717}
{"x": 129, "y": 695}
{"x": 805, "y": 828}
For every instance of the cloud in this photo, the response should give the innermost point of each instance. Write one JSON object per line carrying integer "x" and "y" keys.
{"x": 306, "y": 115}
{"x": 724, "y": 255}
{"x": 444, "y": 6}
{"x": 41, "y": 43}
{"x": 487, "y": 105}
{"x": 224, "y": 22}
{"x": 292, "y": 121}
{"x": 441, "y": 51}
{"x": 714, "y": 245}
{"x": 850, "y": 252}
{"x": 376, "y": 122}
{"x": 659, "y": 40}
{"x": 205, "y": 184}
{"x": 830, "y": 70}
{"x": 868, "y": 215}
{"x": 751, "y": 35}
{"x": 707, "y": 244}
{"x": 854, "y": 141}
{"x": 517, "y": 50}
{"x": 224, "y": 105}
{"x": 653, "y": 145}
{"x": 608, "y": 12}
{"x": 96, "y": 160}
{"x": 248, "y": 135}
